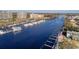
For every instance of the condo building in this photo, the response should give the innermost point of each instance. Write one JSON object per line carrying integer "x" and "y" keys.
{"x": 10, "y": 14}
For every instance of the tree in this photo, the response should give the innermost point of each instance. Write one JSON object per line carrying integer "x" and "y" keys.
{"x": 14, "y": 16}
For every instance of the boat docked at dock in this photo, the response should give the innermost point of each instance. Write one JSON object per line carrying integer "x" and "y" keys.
{"x": 34, "y": 23}
{"x": 2, "y": 32}
{"x": 16, "y": 28}
{"x": 41, "y": 21}
{"x": 28, "y": 24}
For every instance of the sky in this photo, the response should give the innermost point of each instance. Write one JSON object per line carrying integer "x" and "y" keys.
{"x": 55, "y": 11}
{"x": 47, "y": 11}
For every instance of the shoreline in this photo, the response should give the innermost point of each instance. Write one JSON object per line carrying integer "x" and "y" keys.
{"x": 4, "y": 30}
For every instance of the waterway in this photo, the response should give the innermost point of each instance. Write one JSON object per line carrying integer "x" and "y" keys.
{"x": 32, "y": 37}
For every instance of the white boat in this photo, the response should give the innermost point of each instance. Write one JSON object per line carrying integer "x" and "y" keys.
{"x": 2, "y": 32}
{"x": 41, "y": 21}
{"x": 29, "y": 24}
{"x": 35, "y": 22}
{"x": 26, "y": 25}
{"x": 17, "y": 28}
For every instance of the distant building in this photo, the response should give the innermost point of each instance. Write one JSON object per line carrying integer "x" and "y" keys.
{"x": 10, "y": 14}
{"x": 21, "y": 15}
{"x": 5, "y": 15}
{"x": 36, "y": 16}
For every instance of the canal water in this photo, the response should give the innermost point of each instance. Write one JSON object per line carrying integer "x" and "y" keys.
{"x": 32, "y": 37}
